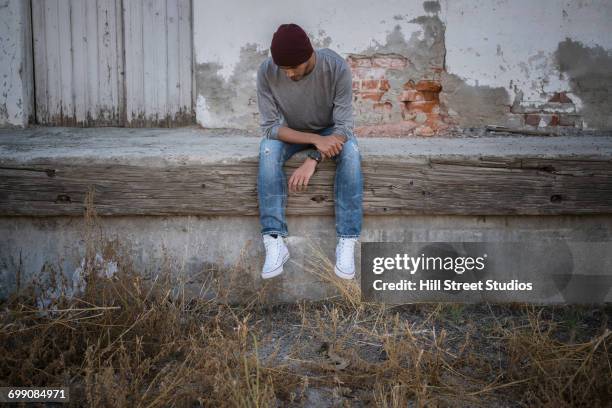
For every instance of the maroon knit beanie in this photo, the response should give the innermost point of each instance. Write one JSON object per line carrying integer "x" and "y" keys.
{"x": 290, "y": 45}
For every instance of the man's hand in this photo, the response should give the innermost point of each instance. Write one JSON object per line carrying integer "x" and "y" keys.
{"x": 301, "y": 176}
{"x": 329, "y": 146}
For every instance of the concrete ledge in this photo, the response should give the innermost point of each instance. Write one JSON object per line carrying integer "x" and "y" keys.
{"x": 48, "y": 171}
{"x": 192, "y": 246}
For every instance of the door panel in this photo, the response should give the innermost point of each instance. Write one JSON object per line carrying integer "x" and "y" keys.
{"x": 78, "y": 62}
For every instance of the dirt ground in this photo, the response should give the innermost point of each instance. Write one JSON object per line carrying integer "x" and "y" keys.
{"x": 126, "y": 345}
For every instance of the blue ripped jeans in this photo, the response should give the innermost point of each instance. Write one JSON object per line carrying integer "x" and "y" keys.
{"x": 272, "y": 186}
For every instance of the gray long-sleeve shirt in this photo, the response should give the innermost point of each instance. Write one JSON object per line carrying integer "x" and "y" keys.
{"x": 321, "y": 99}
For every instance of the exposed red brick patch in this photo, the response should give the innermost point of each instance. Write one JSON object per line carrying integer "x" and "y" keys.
{"x": 359, "y": 62}
{"x": 554, "y": 120}
{"x": 372, "y": 96}
{"x": 532, "y": 119}
{"x": 369, "y": 73}
{"x": 560, "y": 97}
{"x": 410, "y": 95}
{"x": 422, "y": 106}
{"x": 384, "y": 85}
{"x": 409, "y": 85}
{"x": 413, "y": 95}
{"x": 421, "y": 103}
{"x": 418, "y": 109}
{"x": 360, "y": 74}
{"x": 383, "y": 106}
{"x": 390, "y": 62}
{"x": 558, "y": 110}
{"x": 428, "y": 86}
{"x": 369, "y": 84}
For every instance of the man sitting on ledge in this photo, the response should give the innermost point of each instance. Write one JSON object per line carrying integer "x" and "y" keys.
{"x": 305, "y": 100}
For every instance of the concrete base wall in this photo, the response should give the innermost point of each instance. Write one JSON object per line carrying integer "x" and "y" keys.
{"x": 192, "y": 245}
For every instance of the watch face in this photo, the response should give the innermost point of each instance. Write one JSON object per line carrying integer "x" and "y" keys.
{"x": 315, "y": 155}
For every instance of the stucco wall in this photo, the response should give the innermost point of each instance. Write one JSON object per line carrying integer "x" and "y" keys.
{"x": 15, "y": 66}
{"x": 515, "y": 63}
{"x": 534, "y": 49}
{"x": 418, "y": 67}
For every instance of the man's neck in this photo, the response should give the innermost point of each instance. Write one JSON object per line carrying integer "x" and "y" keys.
{"x": 313, "y": 64}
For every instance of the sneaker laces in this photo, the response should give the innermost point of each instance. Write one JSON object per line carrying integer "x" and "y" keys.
{"x": 345, "y": 252}
{"x": 270, "y": 241}
{"x": 345, "y": 242}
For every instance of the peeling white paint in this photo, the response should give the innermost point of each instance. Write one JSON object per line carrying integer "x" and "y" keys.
{"x": 511, "y": 43}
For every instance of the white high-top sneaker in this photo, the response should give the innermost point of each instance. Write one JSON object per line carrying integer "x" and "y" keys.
{"x": 276, "y": 256}
{"x": 345, "y": 258}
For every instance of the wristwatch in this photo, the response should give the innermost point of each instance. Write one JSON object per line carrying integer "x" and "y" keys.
{"x": 315, "y": 155}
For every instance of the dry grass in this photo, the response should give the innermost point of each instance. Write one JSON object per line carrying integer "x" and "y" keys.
{"x": 141, "y": 341}
{"x": 322, "y": 267}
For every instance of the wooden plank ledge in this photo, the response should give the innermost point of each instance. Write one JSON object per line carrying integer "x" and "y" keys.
{"x": 48, "y": 171}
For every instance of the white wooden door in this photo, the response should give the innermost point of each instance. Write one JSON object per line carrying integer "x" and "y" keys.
{"x": 113, "y": 62}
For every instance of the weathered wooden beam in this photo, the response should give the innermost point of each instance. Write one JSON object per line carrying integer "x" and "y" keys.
{"x": 470, "y": 185}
